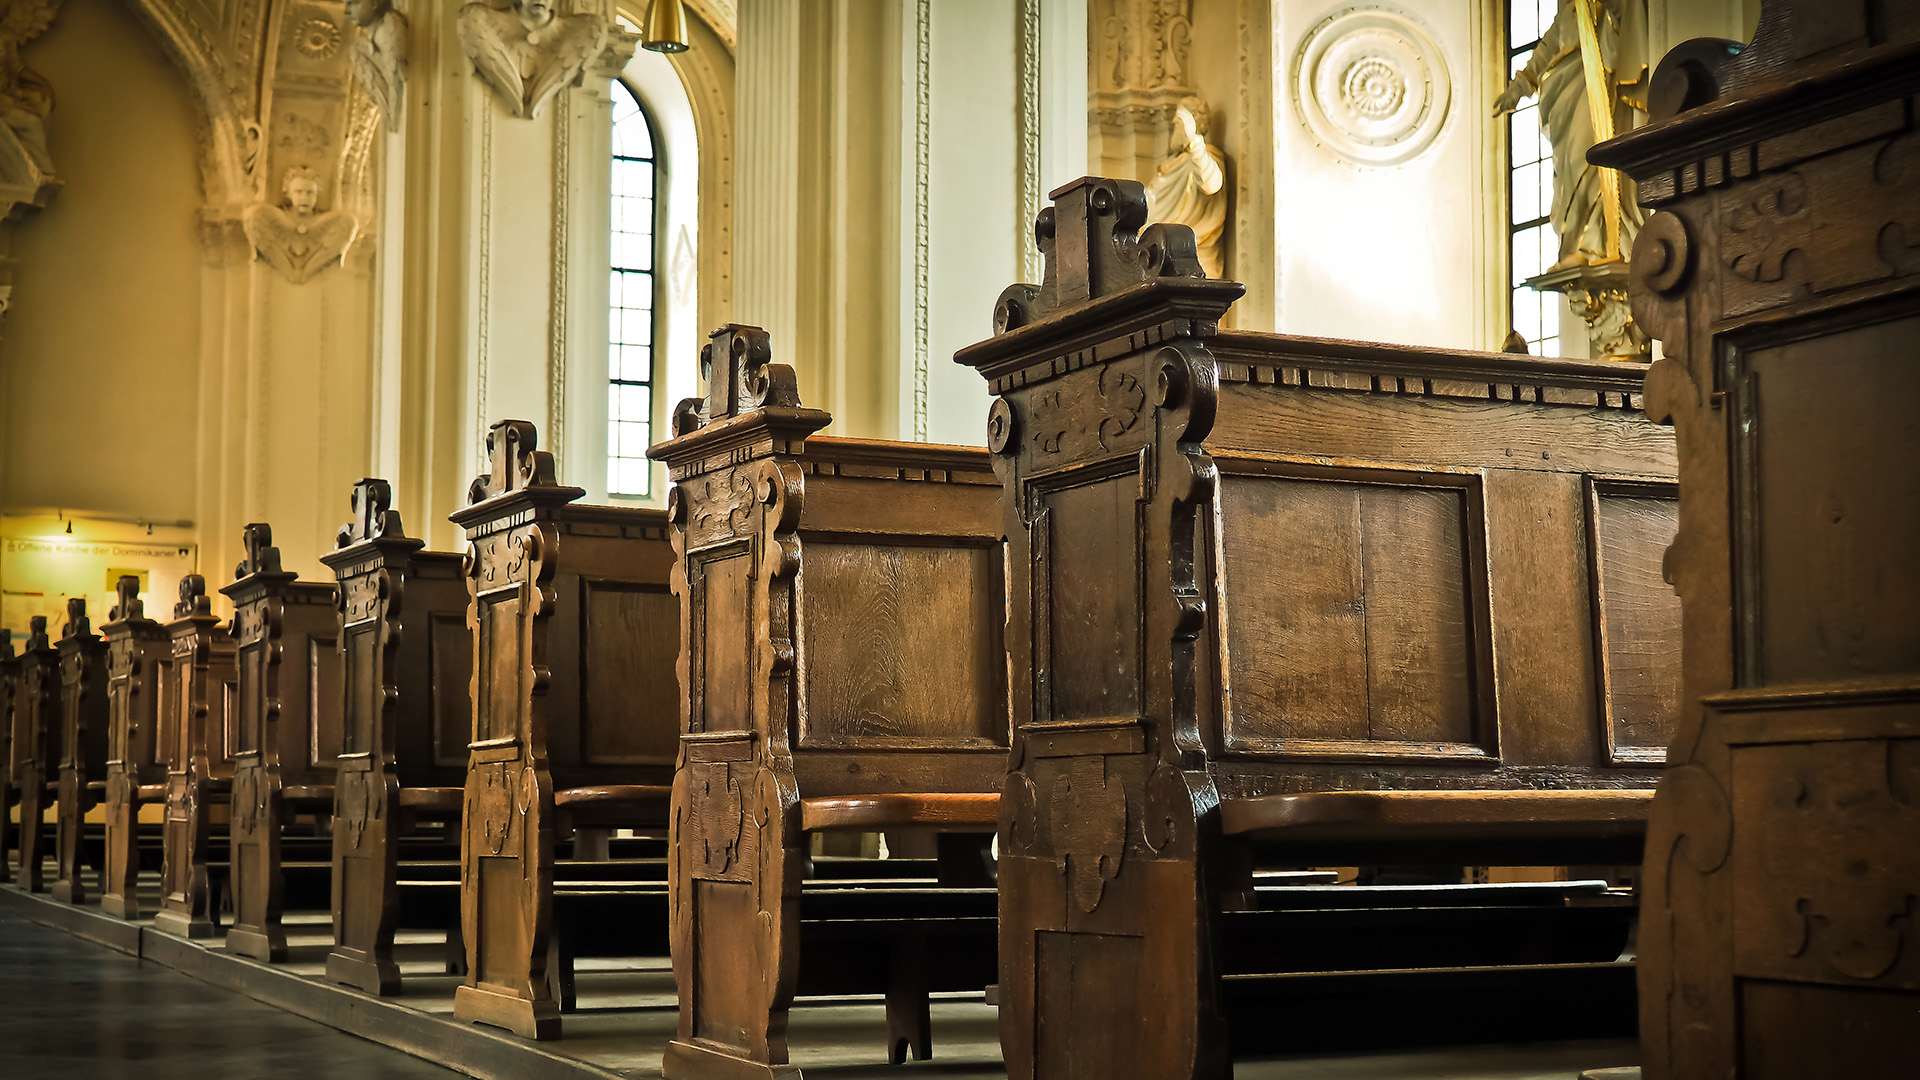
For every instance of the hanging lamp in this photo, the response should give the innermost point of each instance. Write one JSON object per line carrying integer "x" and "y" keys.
{"x": 666, "y": 27}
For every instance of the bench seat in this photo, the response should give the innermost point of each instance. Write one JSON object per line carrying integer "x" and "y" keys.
{"x": 942, "y": 811}
{"x": 1607, "y": 824}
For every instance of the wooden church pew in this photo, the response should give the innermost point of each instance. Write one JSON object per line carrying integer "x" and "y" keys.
{"x": 1780, "y": 269}
{"x": 9, "y": 788}
{"x": 404, "y": 656}
{"x": 138, "y": 652}
{"x": 841, "y": 606}
{"x": 36, "y": 747}
{"x": 1321, "y": 599}
{"x": 197, "y": 707}
{"x": 573, "y": 699}
{"x": 286, "y": 732}
{"x": 83, "y": 746}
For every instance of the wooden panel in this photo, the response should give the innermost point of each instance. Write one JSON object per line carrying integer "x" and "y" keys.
{"x": 630, "y": 696}
{"x": 499, "y": 666}
{"x": 1830, "y": 581}
{"x": 724, "y": 587}
{"x": 325, "y": 705}
{"x": 361, "y": 680}
{"x": 1349, "y": 613}
{"x": 1638, "y": 617}
{"x": 903, "y": 643}
{"x": 244, "y": 732}
{"x": 1074, "y": 973}
{"x": 1093, "y": 619}
{"x": 1798, "y": 1032}
{"x": 451, "y": 659}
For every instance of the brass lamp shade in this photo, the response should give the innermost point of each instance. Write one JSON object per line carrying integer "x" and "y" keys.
{"x": 666, "y": 29}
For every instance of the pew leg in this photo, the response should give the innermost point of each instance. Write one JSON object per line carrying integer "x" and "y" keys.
{"x": 909, "y": 1011}
{"x": 456, "y": 947}
{"x": 965, "y": 860}
{"x": 592, "y": 843}
{"x": 560, "y": 963}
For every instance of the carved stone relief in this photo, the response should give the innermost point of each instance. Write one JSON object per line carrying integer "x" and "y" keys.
{"x": 296, "y": 238}
{"x": 1371, "y": 85}
{"x": 27, "y": 180}
{"x": 527, "y": 54}
{"x": 379, "y": 55}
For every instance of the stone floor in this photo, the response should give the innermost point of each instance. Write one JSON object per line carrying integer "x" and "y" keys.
{"x": 77, "y": 1010}
{"x": 69, "y": 1008}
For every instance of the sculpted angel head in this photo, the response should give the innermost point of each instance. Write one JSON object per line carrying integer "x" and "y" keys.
{"x": 534, "y": 13}
{"x": 367, "y": 12}
{"x": 302, "y": 189}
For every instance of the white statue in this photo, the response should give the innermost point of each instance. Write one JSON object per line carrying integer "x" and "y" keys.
{"x": 529, "y": 53}
{"x": 1190, "y": 187}
{"x": 25, "y": 97}
{"x": 1560, "y": 72}
{"x": 297, "y": 239}
{"x": 379, "y": 55}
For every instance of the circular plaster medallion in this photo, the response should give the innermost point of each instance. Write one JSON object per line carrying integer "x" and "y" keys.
{"x": 1371, "y": 85}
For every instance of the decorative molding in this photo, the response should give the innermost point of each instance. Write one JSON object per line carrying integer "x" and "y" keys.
{"x": 558, "y": 277}
{"x": 1144, "y": 44}
{"x": 922, "y": 204}
{"x": 483, "y": 315}
{"x": 1027, "y": 199}
{"x": 1371, "y": 85}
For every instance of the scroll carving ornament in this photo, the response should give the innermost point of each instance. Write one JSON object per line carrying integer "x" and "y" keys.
{"x": 1089, "y": 818}
{"x": 529, "y": 52}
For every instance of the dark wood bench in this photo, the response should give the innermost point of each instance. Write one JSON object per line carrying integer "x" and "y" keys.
{"x": 197, "y": 691}
{"x": 83, "y": 746}
{"x": 573, "y": 700}
{"x": 36, "y": 747}
{"x": 1780, "y": 270}
{"x": 138, "y": 652}
{"x": 1320, "y": 602}
{"x": 405, "y": 677}
{"x": 286, "y": 734}
{"x": 841, "y": 611}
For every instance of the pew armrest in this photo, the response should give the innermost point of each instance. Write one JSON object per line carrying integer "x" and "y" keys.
{"x": 939, "y": 811}
{"x": 151, "y": 792}
{"x": 615, "y": 804}
{"x": 1437, "y": 823}
{"x": 308, "y": 795}
{"x": 441, "y": 800}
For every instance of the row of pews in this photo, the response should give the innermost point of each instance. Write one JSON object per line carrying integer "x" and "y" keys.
{"x": 1212, "y": 609}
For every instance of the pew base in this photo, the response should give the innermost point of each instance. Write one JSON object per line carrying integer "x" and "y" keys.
{"x": 697, "y": 1060}
{"x": 378, "y": 976}
{"x": 269, "y": 944}
{"x": 121, "y": 907}
{"x": 69, "y": 892}
{"x": 180, "y": 924}
{"x": 537, "y": 1020}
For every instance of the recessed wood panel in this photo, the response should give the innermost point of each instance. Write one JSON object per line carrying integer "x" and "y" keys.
{"x": 1638, "y": 617}
{"x": 450, "y": 645}
{"x": 499, "y": 666}
{"x": 903, "y": 642}
{"x": 1087, "y": 573}
{"x": 1829, "y": 576}
{"x": 362, "y": 683}
{"x": 630, "y": 696}
{"x": 244, "y": 732}
{"x": 1349, "y": 613}
{"x": 724, "y": 593}
{"x": 324, "y": 701}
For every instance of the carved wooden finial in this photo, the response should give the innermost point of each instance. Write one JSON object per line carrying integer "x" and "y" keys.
{"x": 262, "y": 556}
{"x": 1093, "y": 244}
{"x": 741, "y": 376}
{"x": 77, "y": 625}
{"x": 127, "y": 590}
{"x": 36, "y": 632}
{"x": 514, "y": 461}
{"x": 373, "y": 514}
{"x": 193, "y": 597}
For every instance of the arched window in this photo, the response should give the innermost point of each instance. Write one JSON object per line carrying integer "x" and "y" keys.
{"x": 633, "y": 294}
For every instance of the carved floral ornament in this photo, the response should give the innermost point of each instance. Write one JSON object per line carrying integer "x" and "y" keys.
{"x": 1371, "y": 85}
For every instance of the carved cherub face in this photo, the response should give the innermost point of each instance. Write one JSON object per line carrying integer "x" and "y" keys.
{"x": 534, "y": 13}
{"x": 367, "y": 12}
{"x": 303, "y": 192}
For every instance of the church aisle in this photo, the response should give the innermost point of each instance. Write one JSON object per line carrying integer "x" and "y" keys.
{"x": 79, "y": 1010}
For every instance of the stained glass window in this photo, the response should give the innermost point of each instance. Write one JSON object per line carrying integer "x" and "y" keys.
{"x": 631, "y": 298}
{"x": 1532, "y": 244}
